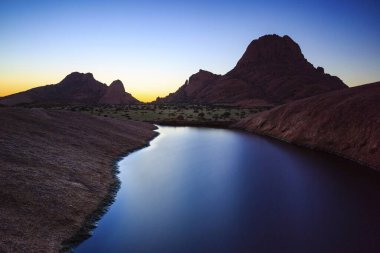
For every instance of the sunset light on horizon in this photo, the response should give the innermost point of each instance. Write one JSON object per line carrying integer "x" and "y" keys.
{"x": 153, "y": 47}
{"x": 189, "y": 126}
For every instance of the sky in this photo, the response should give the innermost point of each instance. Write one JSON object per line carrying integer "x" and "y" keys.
{"x": 154, "y": 46}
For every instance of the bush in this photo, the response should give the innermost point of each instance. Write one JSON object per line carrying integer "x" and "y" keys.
{"x": 226, "y": 114}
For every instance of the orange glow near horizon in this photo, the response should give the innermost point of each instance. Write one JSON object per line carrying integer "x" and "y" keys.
{"x": 9, "y": 86}
{"x": 153, "y": 48}
{"x": 144, "y": 94}
{"x": 147, "y": 96}
{"x": 19, "y": 85}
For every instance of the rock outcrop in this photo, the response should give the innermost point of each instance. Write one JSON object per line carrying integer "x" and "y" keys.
{"x": 116, "y": 94}
{"x": 272, "y": 70}
{"x": 344, "y": 122}
{"x": 194, "y": 90}
{"x": 76, "y": 88}
{"x": 57, "y": 168}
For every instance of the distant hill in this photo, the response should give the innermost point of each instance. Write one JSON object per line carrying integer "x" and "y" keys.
{"x": 345, "y": 122}
{"x": 272, "y": 70}
{"x": 75, "y": 88}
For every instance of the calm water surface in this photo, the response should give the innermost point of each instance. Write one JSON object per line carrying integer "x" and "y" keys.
{"x": 211, "y": 190}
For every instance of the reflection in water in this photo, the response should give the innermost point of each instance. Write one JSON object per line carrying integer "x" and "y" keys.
{"x": 212, "y": 190}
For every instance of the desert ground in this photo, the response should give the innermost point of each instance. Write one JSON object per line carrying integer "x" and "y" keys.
{"x": 58, "y": 174}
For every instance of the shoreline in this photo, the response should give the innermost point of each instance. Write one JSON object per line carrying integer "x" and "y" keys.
{"x": 309, "y": 147}
{"x": 59, "y": 174}
{"x": 90, "y": 224}
{"x": 42, "y": 122}
{"x": 348, "y": 129}
{"x": 231, "y": 126}
{"x": 91, "y": 221}
{"x": 215, "y": 124}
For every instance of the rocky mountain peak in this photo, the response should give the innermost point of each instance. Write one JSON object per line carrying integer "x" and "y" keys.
{"x": 271, "y": 49}
{"x": 78, "y": 88}
{"x": 272, "y": 70}
{"x": 117, "y": 86}
{"x": 202, "y": 75}
{"x": 78, "y": 76}
{"x": 78, "y": 79}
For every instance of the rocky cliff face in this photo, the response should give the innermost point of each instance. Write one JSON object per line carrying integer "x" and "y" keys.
{"x": 273, "y": 70}
{"x": 194, "y": 90}
{"x": 116, "y": 94}
{"x": 75, "y": 88}
{"x": 345, "y": 122}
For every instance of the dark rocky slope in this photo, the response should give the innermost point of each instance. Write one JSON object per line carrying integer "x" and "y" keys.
{"x": 56, "y": 168}
{"x": 272, "y": 70}
{"x": 75, "y": 88}
{"x": 345, "y": 122}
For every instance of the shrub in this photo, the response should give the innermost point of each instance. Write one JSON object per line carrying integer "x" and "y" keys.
{"x": 226, "y": 114}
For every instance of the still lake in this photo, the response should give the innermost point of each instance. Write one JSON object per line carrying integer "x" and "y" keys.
{"x": 214, "y": 190}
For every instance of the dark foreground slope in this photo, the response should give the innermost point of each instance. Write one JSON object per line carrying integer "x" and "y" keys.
{"x": 272, "y": 70}
{"x": 56, "y": 168}
{"x": 344, "y": 122}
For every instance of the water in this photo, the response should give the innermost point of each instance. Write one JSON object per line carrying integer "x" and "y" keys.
{"x": 210, "y": 190}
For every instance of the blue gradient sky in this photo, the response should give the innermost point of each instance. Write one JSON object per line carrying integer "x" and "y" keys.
{"x": 154, "y": 46}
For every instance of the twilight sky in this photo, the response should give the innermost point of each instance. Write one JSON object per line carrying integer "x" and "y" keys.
{"x": 154, "y": 46}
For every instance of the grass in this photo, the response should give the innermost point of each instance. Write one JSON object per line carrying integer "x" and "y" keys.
{"x": 159, "y": 113}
